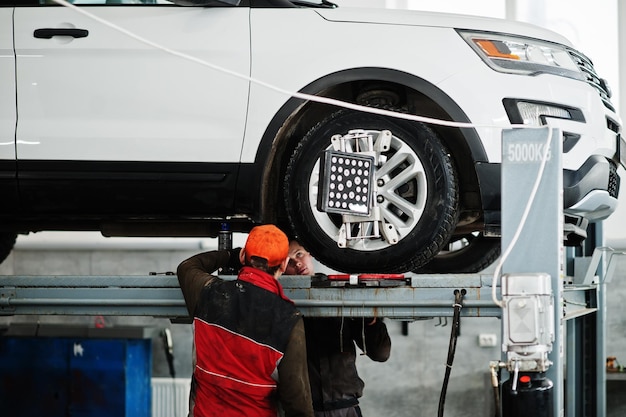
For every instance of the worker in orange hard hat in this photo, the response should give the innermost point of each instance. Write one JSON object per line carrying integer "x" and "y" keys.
{"x": 249, "y": 343}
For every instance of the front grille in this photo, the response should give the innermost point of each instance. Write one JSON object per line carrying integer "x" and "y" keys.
{"x": 586, "y": 67}
{"x": 613, "y": 180}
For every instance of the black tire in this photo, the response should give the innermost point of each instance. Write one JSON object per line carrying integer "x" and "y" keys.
{"x": 423, "y": 205}
{"x": 7, "y": 241}
{"x": 464, "y": 254}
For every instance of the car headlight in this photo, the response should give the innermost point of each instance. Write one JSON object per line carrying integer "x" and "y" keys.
{"x": 526, "y": 56}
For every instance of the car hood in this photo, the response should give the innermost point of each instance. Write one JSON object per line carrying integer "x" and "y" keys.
{"x": 433, "y": 19}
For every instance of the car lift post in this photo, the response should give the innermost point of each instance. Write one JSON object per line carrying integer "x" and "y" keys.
{"x": 532, "y": 244}
{"x": 577, "y": 367}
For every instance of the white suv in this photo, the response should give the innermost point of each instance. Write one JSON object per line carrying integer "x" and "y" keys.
{"x": 151, "y": 118}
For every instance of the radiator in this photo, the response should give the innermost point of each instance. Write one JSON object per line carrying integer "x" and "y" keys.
{"x": 170, "y": 397}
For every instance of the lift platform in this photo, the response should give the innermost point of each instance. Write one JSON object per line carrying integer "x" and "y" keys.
{"x": 414, "y": 297}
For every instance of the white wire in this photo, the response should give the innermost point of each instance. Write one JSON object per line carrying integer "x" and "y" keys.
{"x": 303, "y": 96}
{"x": 352, "y": 106}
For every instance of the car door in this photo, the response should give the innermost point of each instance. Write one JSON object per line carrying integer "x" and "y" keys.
{"x": 115, "y": 115}
{"x": 8, "y": 187}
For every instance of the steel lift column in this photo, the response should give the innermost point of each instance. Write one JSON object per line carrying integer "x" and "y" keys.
{"x": 536, "y": 247}
{"x": 532, "y": 231}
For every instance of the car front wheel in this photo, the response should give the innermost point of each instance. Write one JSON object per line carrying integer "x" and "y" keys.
{"x": 414, "y": 202}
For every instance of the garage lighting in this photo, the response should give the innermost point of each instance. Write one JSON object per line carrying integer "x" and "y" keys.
{"x": 346, "y": 183}
{"x": 535, "y": 113}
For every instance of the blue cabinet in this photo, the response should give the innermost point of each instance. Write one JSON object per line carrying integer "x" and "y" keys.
{"x": 85, "y": 377}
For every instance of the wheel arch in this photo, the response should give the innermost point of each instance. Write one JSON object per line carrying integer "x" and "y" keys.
{"x": 373, "y": 86}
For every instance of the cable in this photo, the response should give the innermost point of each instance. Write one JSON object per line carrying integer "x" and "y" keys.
{"x": 168, "y": 344}
{"x": 454, "y": 334}
{"x": 496, "y": 399}
{"x": 318, "y": 99}
{"x": 494, "y": 368}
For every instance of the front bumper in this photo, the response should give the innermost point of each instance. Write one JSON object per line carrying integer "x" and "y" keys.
{"x": 589, "y": 193}
{"x": 592, "y": 190}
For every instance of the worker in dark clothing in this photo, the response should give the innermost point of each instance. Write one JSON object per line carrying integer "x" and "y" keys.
{"x": 331, "y": 353}
{"x": 249, "y": 343}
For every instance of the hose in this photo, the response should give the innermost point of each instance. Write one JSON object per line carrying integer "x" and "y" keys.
{"x": 494, "y": 367}
{"x": 496, "y": 398}
{"x": 454, "y": 334}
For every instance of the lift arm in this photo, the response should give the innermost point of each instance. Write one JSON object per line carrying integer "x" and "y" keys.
{"x": 418, "y": 296}
{"x": 160, "y": 296}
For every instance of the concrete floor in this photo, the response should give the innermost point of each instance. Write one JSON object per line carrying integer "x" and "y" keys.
{"x": 409, "y": 384}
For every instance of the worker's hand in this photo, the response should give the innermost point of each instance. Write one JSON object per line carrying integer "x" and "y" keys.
{"x": 233, "y": 260}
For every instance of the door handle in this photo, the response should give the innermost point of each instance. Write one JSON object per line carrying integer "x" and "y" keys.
{"x": 48, "y": 33}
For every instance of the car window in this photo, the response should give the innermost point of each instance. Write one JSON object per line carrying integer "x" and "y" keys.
{"x": 132, "y": 2}
{"x": 109, "y": 2}
{"x": 202, "y": 3}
